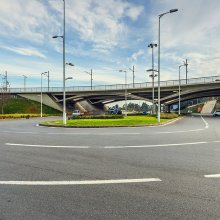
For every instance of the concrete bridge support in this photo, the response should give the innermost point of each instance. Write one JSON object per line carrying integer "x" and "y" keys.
{"x": 46, "y": 100}
{"x": 87, "y": 106}
{"x": 83, "y": 106}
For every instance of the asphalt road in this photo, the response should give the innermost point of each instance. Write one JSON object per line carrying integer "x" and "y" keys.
{"x": 110, "y": 173}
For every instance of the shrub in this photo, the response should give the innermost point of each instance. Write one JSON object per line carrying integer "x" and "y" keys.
{"x": 98, "y": 117}
{"x": 168, "y": 115}
{"x": 17, "y": 116}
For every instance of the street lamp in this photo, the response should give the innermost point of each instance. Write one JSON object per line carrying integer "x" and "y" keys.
{"x": 70, "y": 64}
{"x": 41, "y": 96}
{"x": 153, "y": 75}
{"x": 160, "y": 16}
{"x": 68, "y": 78}
{"x": 90, "y": 73}
{"x": 125, "y": 90}
{"x": 47, "y": 74}
{"x": 63, "y": 37}
{"x": 179, "y": 84}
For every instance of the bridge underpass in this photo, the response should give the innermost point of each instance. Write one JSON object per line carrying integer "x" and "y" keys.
{"x": 87, "y": 100}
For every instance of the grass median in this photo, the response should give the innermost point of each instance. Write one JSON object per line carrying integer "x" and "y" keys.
{"x": 126, "y": 121}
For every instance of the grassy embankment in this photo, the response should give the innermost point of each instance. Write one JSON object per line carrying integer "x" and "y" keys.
{"x": 23, "y": 108}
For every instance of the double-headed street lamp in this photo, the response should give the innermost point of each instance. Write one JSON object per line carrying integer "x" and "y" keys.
{"x": 126, "y": 108}
{"x": 41, "y": 96}
{"x": 160, "y": 16}
{"x": 153, "y": 75}
{"x": 90, "y": 73}
{"x": 63, "y": 37}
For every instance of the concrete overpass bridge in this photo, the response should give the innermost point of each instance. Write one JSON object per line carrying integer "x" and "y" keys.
{"x": 85, "y": 99}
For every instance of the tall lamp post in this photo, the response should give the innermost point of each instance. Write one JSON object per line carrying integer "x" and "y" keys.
{"x": 152, "y": 75}
{"x": 90, "y": 73}
{"x": 179, "y": 85}
{"x": 41, "y": 96}
{"x": 25, "y": 77}
{"x": 160, "y": 16}
{"x": 126, "y": 107}
{"x": 63, "y": 37}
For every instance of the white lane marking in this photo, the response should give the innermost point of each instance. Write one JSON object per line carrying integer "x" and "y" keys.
{"x": 110, "y": 147}
{"x": 185, "y": 131}
{"x": 206, "y": 123}
{"x": 86, "y": 182}
{"x": 212, "y": 176}
{"x": 168, "y": 123}
{"x": 20, "y": 132}
{"x": 45, "y": 146}
{"x": 95, "y": 134}
{"x": 83, "y": 134}
{"x": 171, "y": 132}
{"x": 157, "y": 145}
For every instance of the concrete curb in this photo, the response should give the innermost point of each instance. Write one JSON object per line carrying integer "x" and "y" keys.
{"x": 120, "y": 126}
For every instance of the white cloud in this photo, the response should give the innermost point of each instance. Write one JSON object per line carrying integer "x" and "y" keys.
{"x": 26, "y": 20}
{"x": 136, "y": 55}
{"x": 100, "y": 22}
{"x": 192, "y": 33}
{"x": 25, "y": 51}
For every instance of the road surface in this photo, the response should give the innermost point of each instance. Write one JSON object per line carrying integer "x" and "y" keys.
{"x": 165, "y": 172}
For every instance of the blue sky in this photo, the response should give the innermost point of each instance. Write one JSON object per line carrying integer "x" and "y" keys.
{"x": 107, "y": 35}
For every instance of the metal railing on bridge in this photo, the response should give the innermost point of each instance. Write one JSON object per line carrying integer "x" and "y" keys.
{"x": 191, "y": 81}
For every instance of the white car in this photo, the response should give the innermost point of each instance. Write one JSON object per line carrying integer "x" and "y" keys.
{"x": 76, "y": 113}
{"x": 216, "y": 113}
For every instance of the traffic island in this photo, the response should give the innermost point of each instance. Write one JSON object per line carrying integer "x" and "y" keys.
{"x": 129, "y": 121}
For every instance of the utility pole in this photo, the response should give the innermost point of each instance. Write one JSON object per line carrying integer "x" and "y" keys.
{"x": 133, "y": 74}
{"x": 186, "y": 64}
{"x": 48, "y": 75}
{"x": 6, "y": 80}
{"x": 5, "y": 84}
{"x": 91, "y": 79}
{"x": 25, "y": 77}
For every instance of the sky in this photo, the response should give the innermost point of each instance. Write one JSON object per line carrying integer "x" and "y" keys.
{"x": 106, "y": 36}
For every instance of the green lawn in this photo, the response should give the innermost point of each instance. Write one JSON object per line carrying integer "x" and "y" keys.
{"x": 127, "y": 121}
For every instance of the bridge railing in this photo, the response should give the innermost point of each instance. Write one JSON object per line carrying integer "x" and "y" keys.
{"x": 201, "y": 80}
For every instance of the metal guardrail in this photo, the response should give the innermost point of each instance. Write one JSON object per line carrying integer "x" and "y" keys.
{"x": 191, "y": 81}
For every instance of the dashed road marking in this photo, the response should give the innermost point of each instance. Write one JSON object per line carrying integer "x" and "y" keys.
{"x": 171, "y": 132}
{"x": 156, "y": 145}
{"x": 212, "y": 176}
{"x": 85, "y": 182}
{"x": 46, "y": 146}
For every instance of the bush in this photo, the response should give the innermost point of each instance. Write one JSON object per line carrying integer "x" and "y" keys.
{"x": 168, "y": 115}
{"x": 97, "y": 117}
{"x": 17, "y": 116}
